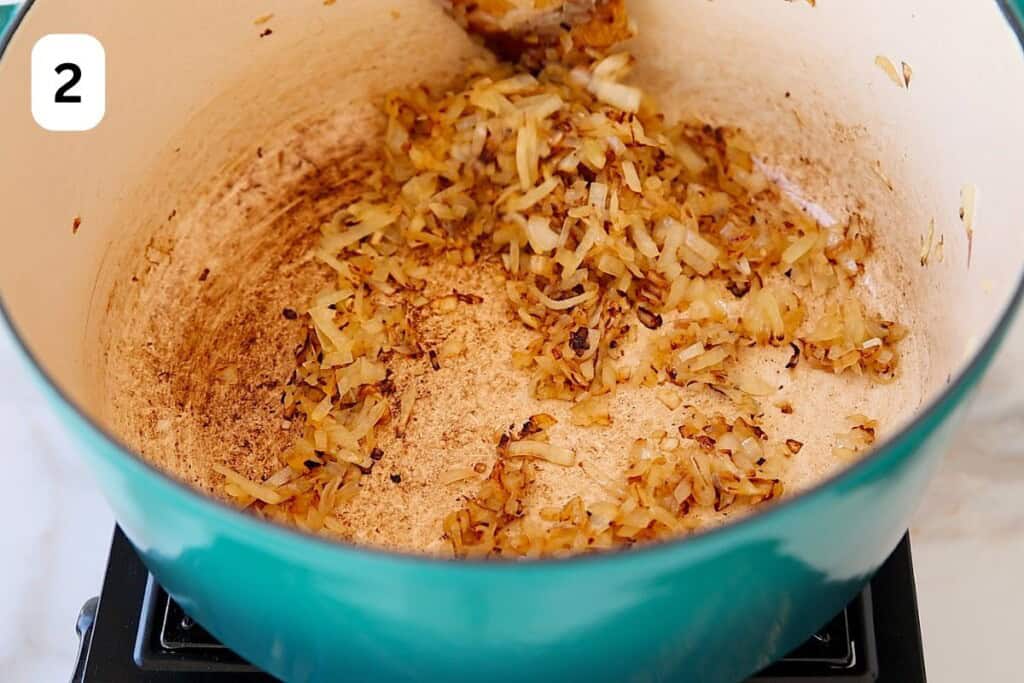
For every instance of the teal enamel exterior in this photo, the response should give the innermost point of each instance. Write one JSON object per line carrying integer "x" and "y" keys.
{"x": 712, "y": 608}
{"x": 6, "y": 14}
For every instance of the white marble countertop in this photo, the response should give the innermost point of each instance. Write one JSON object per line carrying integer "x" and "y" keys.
{"x": 968, "y": 539}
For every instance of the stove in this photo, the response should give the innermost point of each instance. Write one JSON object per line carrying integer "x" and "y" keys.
{"x": 135, "y": 633}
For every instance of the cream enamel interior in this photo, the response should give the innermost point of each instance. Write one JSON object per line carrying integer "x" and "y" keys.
{"x": 194, "y": 94}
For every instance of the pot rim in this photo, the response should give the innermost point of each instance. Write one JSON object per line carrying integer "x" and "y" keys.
{"x": 893, "y": 446}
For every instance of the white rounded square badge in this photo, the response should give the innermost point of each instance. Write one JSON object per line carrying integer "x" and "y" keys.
{"x": 69, "y": 82}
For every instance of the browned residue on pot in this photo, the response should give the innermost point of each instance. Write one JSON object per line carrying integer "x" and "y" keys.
{"x": 201, "y": 350}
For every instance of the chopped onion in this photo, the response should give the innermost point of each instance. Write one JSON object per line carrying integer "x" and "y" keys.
{"x": 542, "y": 451}
{"x": 534, "y": 195}
{"x": 598, "y": 195}
{"x": 540, "y": 235}
{"x": 624, "y": 97}
{"x": 563, "y": 304}
{"x": 456, "y": 474}
{"x": 799, "y": 249}
{"x": 631, "y": 177}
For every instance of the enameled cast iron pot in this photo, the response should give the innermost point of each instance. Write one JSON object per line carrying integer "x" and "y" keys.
{"x": 194, "y": 76}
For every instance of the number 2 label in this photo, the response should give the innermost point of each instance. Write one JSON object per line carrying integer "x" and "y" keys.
{"x": 68, "y": 82}
{"x": 62, "y": 92}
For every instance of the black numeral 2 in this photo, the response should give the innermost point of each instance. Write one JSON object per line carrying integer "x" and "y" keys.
{"x": 62, "y": 92}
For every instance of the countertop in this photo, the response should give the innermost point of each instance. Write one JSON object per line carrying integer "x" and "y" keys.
{"x": 968, "y": 537}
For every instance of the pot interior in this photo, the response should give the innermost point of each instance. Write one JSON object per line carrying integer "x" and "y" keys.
{"x": 200, "y": 194}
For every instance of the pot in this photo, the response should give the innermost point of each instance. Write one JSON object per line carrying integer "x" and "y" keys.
{"x": 196, "y": 97}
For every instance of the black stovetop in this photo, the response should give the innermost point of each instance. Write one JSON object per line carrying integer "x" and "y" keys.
{"x": 135, "y": 633}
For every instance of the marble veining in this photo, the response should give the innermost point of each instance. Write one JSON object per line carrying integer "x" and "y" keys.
{"x": 968, "y": 537}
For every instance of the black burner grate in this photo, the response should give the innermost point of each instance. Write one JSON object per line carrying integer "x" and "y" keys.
{"x": 137, "y": 633}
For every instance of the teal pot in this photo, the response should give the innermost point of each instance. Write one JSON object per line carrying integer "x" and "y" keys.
{"x": 193, "y": 93}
